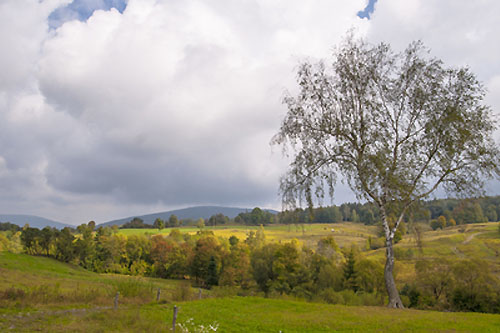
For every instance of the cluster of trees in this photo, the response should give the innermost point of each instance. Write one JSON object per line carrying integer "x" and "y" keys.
{"x": 256, "y": 217}
{"x": 9, "y": 237}
{"x": 485, "y": 209}
{"x": 466, "y": 285}
{"x": 7, "y": 226}
{"x": 325, "y": 272}
{"x": 138, "y": 223}
{"x": 455, "y": 211}
{"x": 252, "y": 263}
{"x": 348, "y": 212}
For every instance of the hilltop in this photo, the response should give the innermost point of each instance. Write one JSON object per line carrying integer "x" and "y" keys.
{"x": 186, "y": 213}
{"x": 32, "y": 220}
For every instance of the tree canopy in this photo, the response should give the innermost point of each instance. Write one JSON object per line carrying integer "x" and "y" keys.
{"x": 394, "y": 126}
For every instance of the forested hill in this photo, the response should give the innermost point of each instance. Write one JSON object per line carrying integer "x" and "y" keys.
{"x": 33, "y": 221}
{"x": 193, "y": 213}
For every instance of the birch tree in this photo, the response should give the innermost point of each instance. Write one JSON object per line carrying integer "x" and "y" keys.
{"x": 394, "y": 126}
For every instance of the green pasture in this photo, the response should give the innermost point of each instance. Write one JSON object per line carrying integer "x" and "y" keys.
{"x": 254, "y": 314}
{"x": 344, "y": 233}
{"x": 29, "y": 282}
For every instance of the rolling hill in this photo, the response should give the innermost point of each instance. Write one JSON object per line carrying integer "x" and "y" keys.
{"x": 186, "y": 213}
{"x": 33, "y": 221}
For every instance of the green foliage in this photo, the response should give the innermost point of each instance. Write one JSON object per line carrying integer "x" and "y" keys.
{"x": 370, "y": 276}
{"x": 207, "y": 261}
{"x": 212, "y": 278}
{"x": 159, "y": 224}
{"x": 397, "y": 236}
{"x": 233, "y": 240}
{"x": 7, "y": 226}
{"x": 136, "y": 223}
{"x": 350, "y": 273}
{"x": 173, "y": 221}
{"x": 491, "y": 213}
{"x": 440, "y": 223}
{"x": 465, "y": 285}
{"x": 256, "y": 217}
{"x": 218, "y": 219}
{"x": 435, "y": 225}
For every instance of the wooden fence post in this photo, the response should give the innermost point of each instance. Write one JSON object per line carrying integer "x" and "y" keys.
{"x": 175, "y": 318}
{"x": 158, "y": 293}
{"x": 116, "y": 299}
{"x": 199, "y": 293}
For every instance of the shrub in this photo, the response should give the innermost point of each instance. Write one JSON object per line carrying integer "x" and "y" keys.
{"x": 403, "y": 254}
{"x": 435, "y": 224}
{"x": 330, "y": 296}
{"x": 183, "y": 293}
{"x": 377, "y": 243}
{"x": 13, "y": 294}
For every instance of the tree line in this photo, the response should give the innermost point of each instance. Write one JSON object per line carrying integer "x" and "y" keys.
{"x": 461, "y": 211}
{"x": 454, "y": 211}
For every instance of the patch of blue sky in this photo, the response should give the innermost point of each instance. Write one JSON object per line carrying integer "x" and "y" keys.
{"x": 370, "y": 7}
{"x": 82, "y": 9}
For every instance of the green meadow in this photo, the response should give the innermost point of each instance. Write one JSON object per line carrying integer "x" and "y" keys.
{"x": 309, "y": 234}
{"x": 41, "y": 294}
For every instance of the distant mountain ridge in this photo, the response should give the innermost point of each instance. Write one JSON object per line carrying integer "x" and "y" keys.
{"x": 33, "y": 221}
{"x": 187, "y": 213}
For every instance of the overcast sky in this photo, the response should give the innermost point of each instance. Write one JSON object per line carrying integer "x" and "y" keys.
{"x": 113, "y": 108}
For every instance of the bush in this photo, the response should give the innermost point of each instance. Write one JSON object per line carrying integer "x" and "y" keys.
{"x": 183, "y": 293}
{"x": 330, "y": 296}
{"x": 376, "y": 243}
{"x": 13, "y": 294}
{"x": 133, "y": 287}
{"x": 349, "y": 297}
{"x": 403, "y": 254}
{"x": 435, "y": 224}
{"x": 411, "y": 294}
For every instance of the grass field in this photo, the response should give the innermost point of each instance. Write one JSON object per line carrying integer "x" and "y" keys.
{"x": 252, "y": 314}
{"x": 345, "y": 233}
{"x": 37, "y": 282}
{"x": 41, "y": 294}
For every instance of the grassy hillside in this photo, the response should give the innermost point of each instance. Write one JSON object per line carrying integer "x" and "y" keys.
{"x": 344, "y": 233}
{"x": 35, "y": 283}
{"x": 58, "y": 297}
{"x": 480, "y": 240}
{"x": 472, "y": 241}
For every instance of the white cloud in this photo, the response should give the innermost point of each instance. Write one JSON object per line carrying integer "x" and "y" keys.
{"x": 167, "y": 104}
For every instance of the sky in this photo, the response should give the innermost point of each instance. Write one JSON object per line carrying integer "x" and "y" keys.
{"x": 113, "y": 108}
